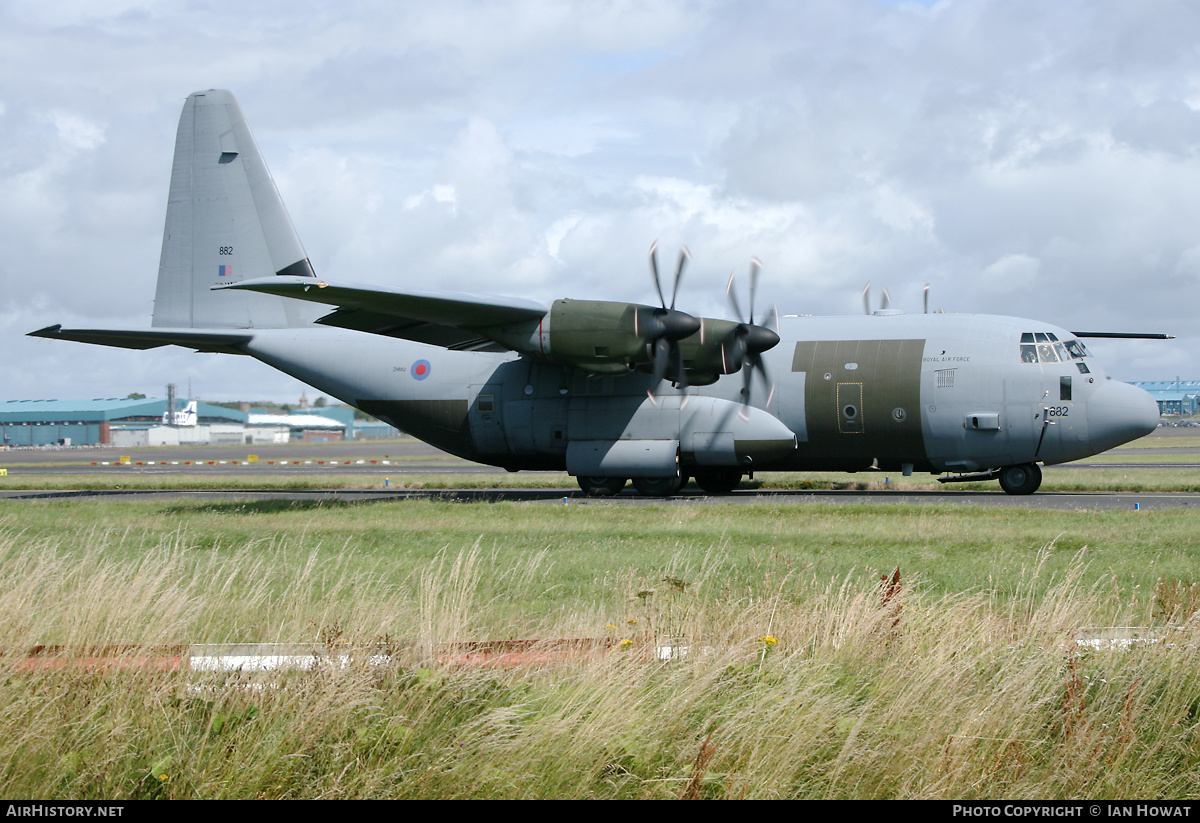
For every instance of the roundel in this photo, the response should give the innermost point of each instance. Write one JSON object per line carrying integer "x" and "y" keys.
{"x": 420, "y": 369}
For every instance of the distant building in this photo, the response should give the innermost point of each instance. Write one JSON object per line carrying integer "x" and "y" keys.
{"x": 111, "y": 421}
{"x": 1174, "y": 396}
{"x": 310, "y": 428}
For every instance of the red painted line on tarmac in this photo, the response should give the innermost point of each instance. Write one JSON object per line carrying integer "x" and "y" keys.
{"x": 121, "y": 657}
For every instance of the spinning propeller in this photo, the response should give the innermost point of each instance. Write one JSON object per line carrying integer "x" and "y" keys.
{"x": 743, "y": 350}
{"x": 666, "y": 326}
{"x": 885, "y": 302}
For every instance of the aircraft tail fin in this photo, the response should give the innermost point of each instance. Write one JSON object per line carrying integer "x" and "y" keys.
{"x": 225, "y": 223}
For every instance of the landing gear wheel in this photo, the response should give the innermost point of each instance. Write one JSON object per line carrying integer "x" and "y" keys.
{"x": 1022, "y": 479}
{"x": 601, "y": 486}
{"x": 719, "y": 481}
{"x": 657, "y": 486}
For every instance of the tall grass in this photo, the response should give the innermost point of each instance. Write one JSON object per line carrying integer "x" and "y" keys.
{"x": 791, "y": 685}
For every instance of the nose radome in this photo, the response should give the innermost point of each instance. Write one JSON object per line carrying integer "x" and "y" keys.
{"x": 1118, "y": 413}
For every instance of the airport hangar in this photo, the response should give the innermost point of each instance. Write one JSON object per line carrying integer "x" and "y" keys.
{"x": 94, "y": 422}
{"x": 128, "y": 422}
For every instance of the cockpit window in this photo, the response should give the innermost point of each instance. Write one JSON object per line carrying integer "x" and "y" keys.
{"x": 1044, "y": 347}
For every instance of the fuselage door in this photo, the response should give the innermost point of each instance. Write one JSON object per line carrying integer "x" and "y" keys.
{"x": 486, "y": 419}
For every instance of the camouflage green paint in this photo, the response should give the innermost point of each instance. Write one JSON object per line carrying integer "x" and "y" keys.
{"x": 862, "y": 401}
{"x": 597, "y": 335}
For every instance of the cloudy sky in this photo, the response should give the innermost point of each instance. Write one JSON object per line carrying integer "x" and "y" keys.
{"x": 1023, "y": 157}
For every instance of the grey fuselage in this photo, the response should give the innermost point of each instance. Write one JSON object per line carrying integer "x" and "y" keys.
{"x": 929, "y": 393}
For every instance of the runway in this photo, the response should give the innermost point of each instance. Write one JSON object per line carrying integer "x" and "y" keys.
{"x": 377, "y": 461}
{"x": 1073, "y": 501}
{"x": 383, "y": 457}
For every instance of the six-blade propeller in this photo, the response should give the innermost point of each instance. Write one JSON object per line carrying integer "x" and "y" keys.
{"x": 667, "y": 325}
{"x": 749, "y": 340}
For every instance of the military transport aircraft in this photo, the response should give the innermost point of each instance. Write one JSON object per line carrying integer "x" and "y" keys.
{"x": 613, "y": 391}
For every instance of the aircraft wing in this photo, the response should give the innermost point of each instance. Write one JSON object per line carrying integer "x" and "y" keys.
{"x": 203, "y": 340}
{"x": 450, "y": 319}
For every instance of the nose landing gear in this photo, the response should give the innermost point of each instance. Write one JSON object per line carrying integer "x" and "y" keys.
{"x": 1021, "y": 479}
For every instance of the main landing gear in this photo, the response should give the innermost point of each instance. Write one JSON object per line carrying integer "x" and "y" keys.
{"x": 719, "y": 481}
{"x": 715, "y": 481}
{"x": 1022, "y": 479}
{"x": 601, "y": 486}
{"x": 658, "y": 486}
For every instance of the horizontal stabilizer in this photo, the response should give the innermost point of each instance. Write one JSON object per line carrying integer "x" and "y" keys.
{"x": 405, "y": 309}
{"x": 201, "y": 340}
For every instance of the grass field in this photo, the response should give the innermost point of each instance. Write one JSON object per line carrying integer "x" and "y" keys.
{"x": 806, "y": 673}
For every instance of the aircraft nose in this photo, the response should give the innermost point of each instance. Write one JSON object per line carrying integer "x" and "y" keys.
{"x": 1118, "y": 413}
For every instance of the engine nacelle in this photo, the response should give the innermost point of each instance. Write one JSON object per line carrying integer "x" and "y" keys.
{"x": 596, "y": 335}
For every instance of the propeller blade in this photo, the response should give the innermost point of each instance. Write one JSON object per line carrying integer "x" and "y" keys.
{"x": 733, "y": 353}
{"x": 927, "y": 298}
{"x": 662, "y": 351}
{"x": 867, "y": 298}
{"x": 886, "y": 301}
{"x": 754, "y": 363}
{"x": 731, "y": 296}
{"x": 773, "y": 319}
{"x": 662, "y": 354}
{"x": 755, "y": 268}
{"x": 762, "y": 369}
{"x": 684, "y": 256}
{"x": 654, "y": 271}
{"x": 667, "y": 322}
{"x": 680, "y": 373}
